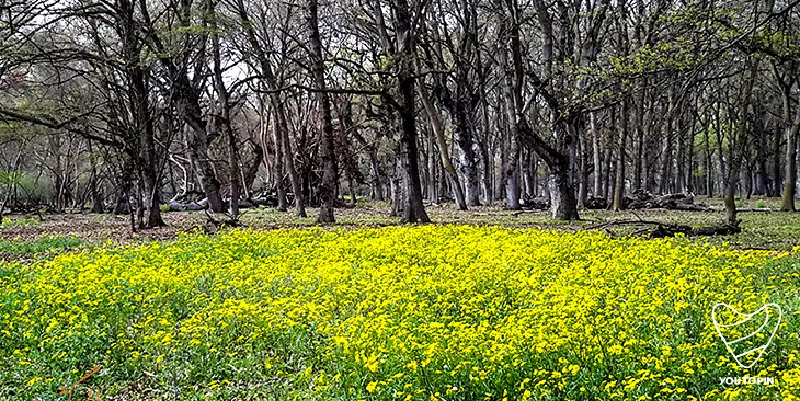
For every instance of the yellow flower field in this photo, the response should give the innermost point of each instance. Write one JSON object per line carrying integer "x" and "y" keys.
{"x": 401, "y": 313}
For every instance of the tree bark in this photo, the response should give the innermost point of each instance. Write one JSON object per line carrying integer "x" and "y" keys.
{"x": 438, "y": 133}
{"x": 414, "y": 209}
{"x": 619, "y": 191}
{"x": 327, "y": 188}
{"x": 792, "y": 127}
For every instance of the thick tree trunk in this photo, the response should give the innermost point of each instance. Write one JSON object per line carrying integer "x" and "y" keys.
{"x": 563, "y": 205}
{"x": 414, "y": 209}
{"x": 146, "y": 159}
{"x": 222, "y": 122}
{"x": 327, "y": 188}
{"x": 790, "y": 186}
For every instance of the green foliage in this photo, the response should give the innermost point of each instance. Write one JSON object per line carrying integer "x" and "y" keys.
{"x": 10, "y": 177}
{"x": 40, "y": 245}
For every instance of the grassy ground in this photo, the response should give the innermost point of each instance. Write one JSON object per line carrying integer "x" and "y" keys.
{"x": 774, "y": 230}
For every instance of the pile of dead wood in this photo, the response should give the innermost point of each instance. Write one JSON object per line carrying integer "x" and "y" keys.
{"x": 635, "y": 200}
{"x": 656, "y": 229}
{"x": 535, "y": 203}
{"x": 645, "y": 200}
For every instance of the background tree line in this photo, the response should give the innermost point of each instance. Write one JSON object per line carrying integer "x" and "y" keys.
{"x": 128, "y": 104}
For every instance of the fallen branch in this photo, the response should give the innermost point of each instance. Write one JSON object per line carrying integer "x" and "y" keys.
{"x": 528, "y": 211}
{"x": 230, "y": 221}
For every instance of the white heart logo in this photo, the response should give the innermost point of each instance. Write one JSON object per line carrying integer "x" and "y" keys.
{"x": 744, "y": 341}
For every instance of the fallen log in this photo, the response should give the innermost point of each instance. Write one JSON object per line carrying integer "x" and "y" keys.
{"x": 538, "y": 203}
{"x": 662, "y": 230}
{"x": 687, "y": 207}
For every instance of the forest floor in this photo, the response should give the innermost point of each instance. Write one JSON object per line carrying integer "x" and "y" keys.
{"x": 22, "y": 237}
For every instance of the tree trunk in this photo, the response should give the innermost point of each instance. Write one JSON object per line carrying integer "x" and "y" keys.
{"x": 563, "y": 205}
{"x": 280, "y": 157}
{"x": 414, "y": 209}
{"x": 619, "y": 191}
{"x": 327, "y": 188}
{"x": 597, "y": 157}
{"x": 222, "y": 122}
{"x": 438, "y": 130}
{"x": 792, "y": 127}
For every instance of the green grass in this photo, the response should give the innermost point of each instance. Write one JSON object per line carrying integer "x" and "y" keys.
{"x": 45, "y": 244}
{"x": 774, "y": 230}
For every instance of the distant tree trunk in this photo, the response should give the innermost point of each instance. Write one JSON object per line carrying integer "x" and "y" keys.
{"x": 709, "y": 164}
{"x": 486, "y": 173}
{"x": 619, "y": 191}
{"x": 607, "y": 157}
{"x": 250, "y": 173}
{"x": 512, "y": 90}
{"x": 396, "y": 181}
{"x": 583, "y": 177}
{"x": 464, "y": 130}
{"x": 639, "y": 127}
{"x": 280, "y": 125}
{"x": 691, "y": 185}
{"x": 98, "y": 206}
{"x": 438, "y": 132}
{"x": 738, "y": 143}
{"x": 280, "y": 157}
{"x": 680, "y": 157}
{"x": 433, "y": 194}
{"x": 597, "y": 157}
{"x": 775, "y": 188}
{"x": 761, "y": 184}
{"x": 327, "y": 188}
{"x": 223, "y": 120}
{"x": 666, "y": 155}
